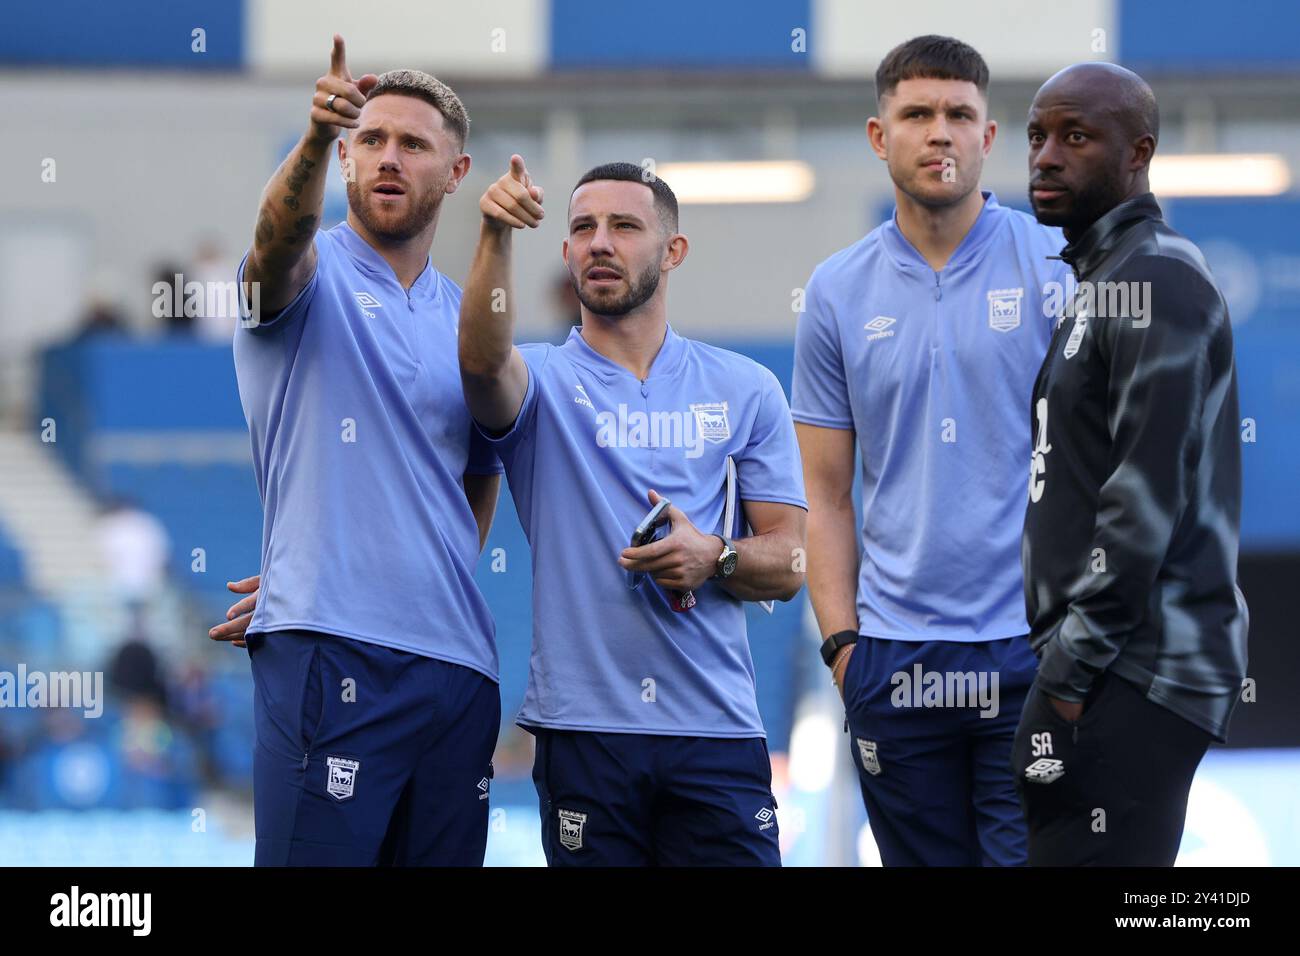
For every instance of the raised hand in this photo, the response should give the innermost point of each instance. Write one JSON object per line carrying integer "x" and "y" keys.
{"x": 344, "y": 111}
{"x": 513, "y": 200}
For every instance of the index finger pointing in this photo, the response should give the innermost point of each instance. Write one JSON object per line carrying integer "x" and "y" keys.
{"x": 517, "y": 169}
{"x": 338, "y": 58}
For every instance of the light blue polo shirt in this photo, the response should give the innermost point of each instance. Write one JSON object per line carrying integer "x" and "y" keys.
{"x": 590, "y": 441}
{"x": 360, "y": 438}
{"x": 934, "y": 372}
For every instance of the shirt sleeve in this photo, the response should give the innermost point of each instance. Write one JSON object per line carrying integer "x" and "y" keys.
{"x": 509, "y": 443}
{"x": 769, "y": 467}
{"x": 264, "y": 322}
{"x": 1158, "y": 385}
{"x": 820, "y": 395}
{"x": 483, "y": 458}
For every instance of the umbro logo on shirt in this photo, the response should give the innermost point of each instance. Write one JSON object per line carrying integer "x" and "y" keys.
{"x": 880, "y": 327}
{"x": 582, "y": 398}
{"x": 367, "y": 302}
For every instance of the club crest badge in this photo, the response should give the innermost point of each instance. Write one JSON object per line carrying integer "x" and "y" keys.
{"x": 341, "y": 781}
{"x": 870, "y": 759}
{"x": 572, "y": 824}
{"x": 1004, "y": 309}
{"x": 711, "y": 420}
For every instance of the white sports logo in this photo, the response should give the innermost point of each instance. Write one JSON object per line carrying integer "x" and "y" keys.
{"x": 1004, "y": 309}
{"x": 1076, "y": 336}
{"x": 1045, "y": 770}
{"x": 572, "y": 824}
{"x": 880, "y": 327}
{"x": 870, "y": 760}
{"x": 341, "y": 781}
{"x": 582, "y": 398}
{"x": 1038, "y": 458}
{"x": 367, "y": 302}
{"x": 711, "y": 421}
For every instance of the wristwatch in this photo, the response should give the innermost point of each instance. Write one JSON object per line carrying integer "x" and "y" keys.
{"x": 831, "y": 646}
{"x": 727, "y": 560}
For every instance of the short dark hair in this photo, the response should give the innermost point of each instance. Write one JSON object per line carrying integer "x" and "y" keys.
{"x": 665, "y": 198}
{"x": 931, "y": 57}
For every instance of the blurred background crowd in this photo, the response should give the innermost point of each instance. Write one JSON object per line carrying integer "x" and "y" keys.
{"x": 127, "y": 499}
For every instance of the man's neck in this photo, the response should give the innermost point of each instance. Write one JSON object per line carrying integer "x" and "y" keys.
{"x": 937, "y": 231}
{"x": 632, "y": 341}
{"x": 406, "y": 257}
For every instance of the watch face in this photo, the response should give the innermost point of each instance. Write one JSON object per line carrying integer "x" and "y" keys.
{"x": 729, "y": 564}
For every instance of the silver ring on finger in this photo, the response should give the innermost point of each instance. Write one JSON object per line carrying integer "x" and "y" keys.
{"x": 329, "y": 101}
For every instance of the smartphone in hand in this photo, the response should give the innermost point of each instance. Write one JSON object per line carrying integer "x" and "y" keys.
{"x": 644, "y": 533}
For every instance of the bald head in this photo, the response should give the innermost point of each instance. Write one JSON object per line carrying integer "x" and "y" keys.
{"x": 1092, "y": 132}
{"x": 1107, "y": 88}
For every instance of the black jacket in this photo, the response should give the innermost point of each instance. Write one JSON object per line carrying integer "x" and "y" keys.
{"x": 1130, "y": 544}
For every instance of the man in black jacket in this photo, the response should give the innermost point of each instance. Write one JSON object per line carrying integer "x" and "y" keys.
{"x": 1131, "y": 533}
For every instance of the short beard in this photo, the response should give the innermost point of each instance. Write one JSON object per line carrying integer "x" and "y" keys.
{"x": 941, "y": 199}
{"x": 637, "y": 295}
{"x": 409, "y": 226}
{"x": 1100, "y": 196}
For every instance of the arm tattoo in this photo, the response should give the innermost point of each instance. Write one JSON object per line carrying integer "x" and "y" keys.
{"x": 303, "y": 228}
{"x": 265, "y": 233}
{"x": 297, "y": 180}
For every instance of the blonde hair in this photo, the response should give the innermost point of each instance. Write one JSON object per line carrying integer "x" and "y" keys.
{"x": 433, "y": 91}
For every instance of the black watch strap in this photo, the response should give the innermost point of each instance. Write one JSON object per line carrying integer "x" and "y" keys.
{"x": 831, "y": 646}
